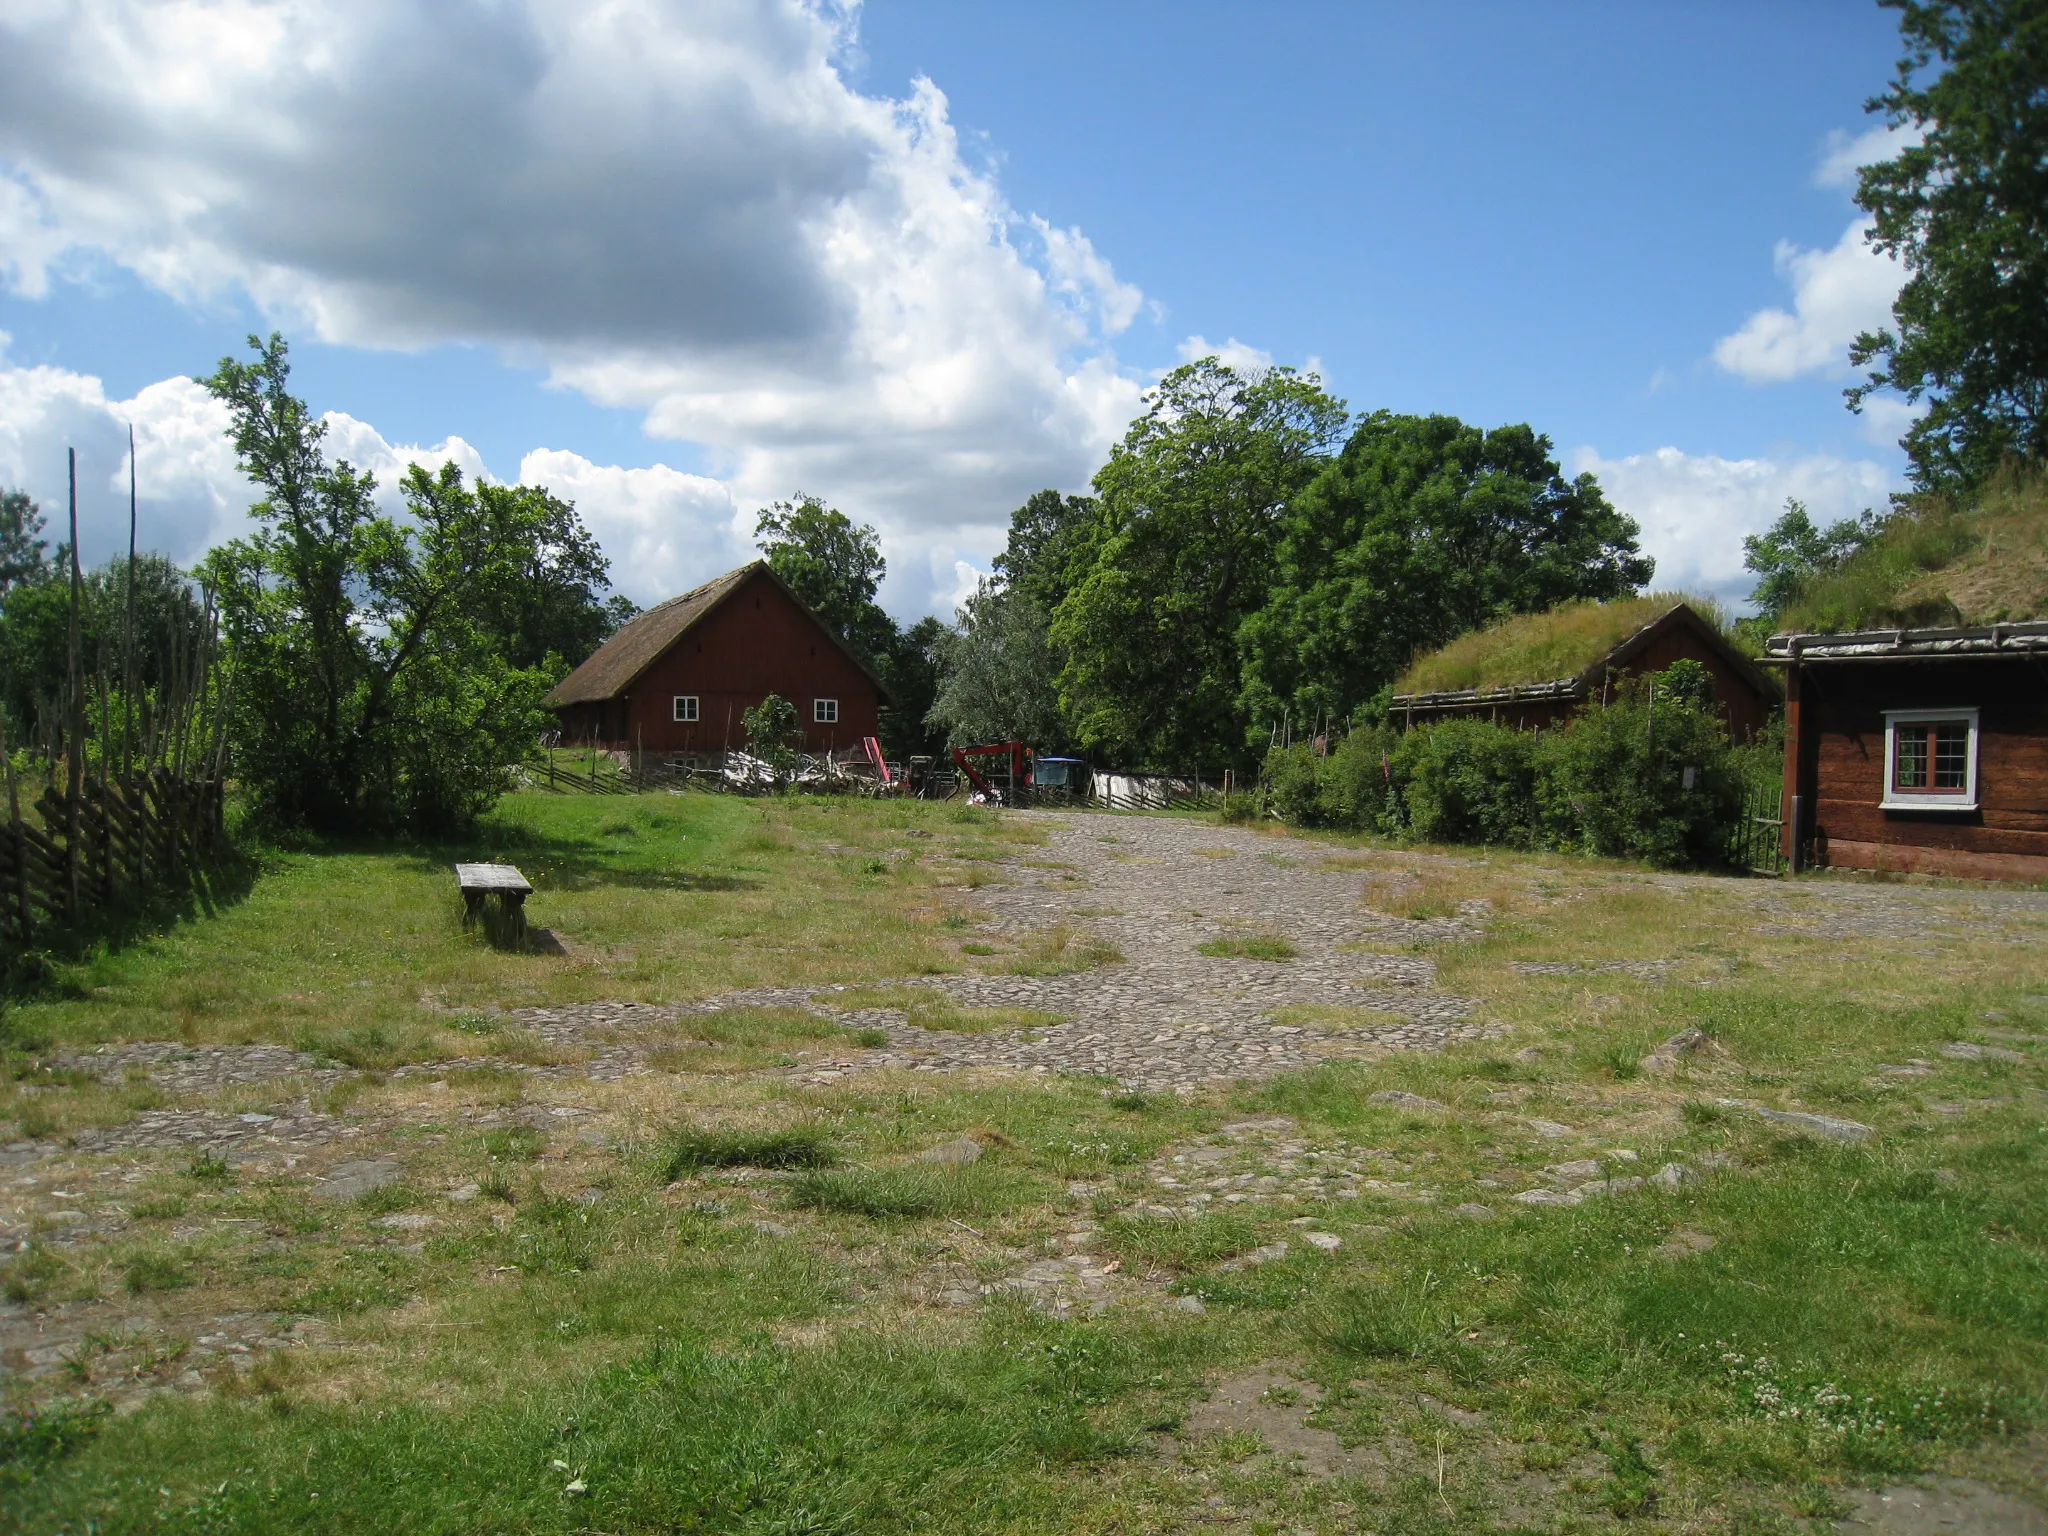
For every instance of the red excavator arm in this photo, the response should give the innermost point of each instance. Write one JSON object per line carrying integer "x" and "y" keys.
{"x": 1015, "y": 751}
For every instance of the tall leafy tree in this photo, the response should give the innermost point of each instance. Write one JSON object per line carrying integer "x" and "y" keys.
{"x": 558, "y": 607}
{"x": 832, "y": 563}
{"x": 35, "y": 630}
{"x": 1965, "y": 208}
{"x": 995, "y": 681}
{"x": 1179, "y": 553}
{"x": 1047, "y": 533}
{"x": 1422, "y": 528}
{"x": 1787, "y": 556}
{"x": 911, "y": 670}
{"x": 370, "y": 691}
{"x": 21, "y": 542}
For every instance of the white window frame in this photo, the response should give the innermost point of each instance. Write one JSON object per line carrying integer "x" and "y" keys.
{"x": 1895, "y": 799}
{"x": 685, "y": 709}
{"x": 824, "y": 711}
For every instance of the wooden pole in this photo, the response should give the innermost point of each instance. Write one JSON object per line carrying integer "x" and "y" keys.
{"x": 25, "y": 913}
{"x": 128, "y": 629}
{"x": 76, "y": 753}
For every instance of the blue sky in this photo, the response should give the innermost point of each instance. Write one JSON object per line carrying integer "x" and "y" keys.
{"x": 748, "y": 249}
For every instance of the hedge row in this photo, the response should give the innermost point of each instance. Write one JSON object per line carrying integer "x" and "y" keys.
{"x": 1614, "y": 781}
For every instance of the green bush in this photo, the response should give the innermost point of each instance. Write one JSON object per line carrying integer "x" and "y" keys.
{"x": 1347, "y": 788}
{"x": 1469, "y": 781}
{"x": 1613, "y": 782}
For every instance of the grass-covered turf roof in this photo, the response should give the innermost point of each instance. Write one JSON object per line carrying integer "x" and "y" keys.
{"x": 1544, "y": 647}
{"x": 1936, "y": 562}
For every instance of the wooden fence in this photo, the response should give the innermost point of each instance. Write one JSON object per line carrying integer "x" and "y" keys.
{"x": 131, "y": 813}
{"x": 124, "y": 843}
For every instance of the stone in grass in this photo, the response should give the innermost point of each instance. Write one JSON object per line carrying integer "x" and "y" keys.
{"x": 1400, "y": 1100}
{"x": 1671, "y": 1175}
{"x": 1668, "y": 1056}
{"x": 1579, "y": 1169}
{"x": 774, "y": 1229}
{"x": 1255, "y": 1258}
{"x": 406, "y": 1221}
{"x": 1547, "y": 1196}
{"x": 1816, "y": 1125}
{"x": 1549, "y": 1129}
{"x": 957, "y": 1153}
{"x": 465, "y": 1192}
{"x": 1474, "y": 1211}
{"x": 1329, "y": 1242}
{"x": 358, "y": 1176}
{"x": 1967, "y": 1050}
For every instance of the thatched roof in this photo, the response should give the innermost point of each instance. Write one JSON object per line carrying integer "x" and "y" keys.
{"x": 1557, "y": 649}
{"x": 643, "y": 639}
{"x": 1939, "y": 564}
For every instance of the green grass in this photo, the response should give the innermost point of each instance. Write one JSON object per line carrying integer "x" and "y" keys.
{"x": 689, "y": 1151}
{"x": 1937, "y": 562}
{"x": 758, "y": 1348}
{"x": 1544, "y": 647}
{"x": 1248, "y": 946}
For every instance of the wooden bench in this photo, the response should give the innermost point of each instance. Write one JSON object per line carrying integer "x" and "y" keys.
{"x": 506, "y": 883}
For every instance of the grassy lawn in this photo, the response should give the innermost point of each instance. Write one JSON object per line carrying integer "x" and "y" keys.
{"x": 720, "y": 1296}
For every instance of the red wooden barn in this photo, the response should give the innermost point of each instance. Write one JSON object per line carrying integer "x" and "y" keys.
{"x": 1516, "y": 665}
{"x": 677, "y": 678}
{"x": 1918, "y": 749}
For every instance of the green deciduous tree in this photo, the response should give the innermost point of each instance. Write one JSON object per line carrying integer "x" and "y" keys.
{"x": 996, "y": 681}
{"x": 1179, "y": 553}
{"x": 911, "y": 670}
{"x": 35, "y": 658}
{"x": 832, "y": 563}
{"x": 1421, "y": 529}
{"x": 558, "y": 606}
{"x": 1787, "y": 556}
{"x": 371, "y": 687}
{"x": 1047, "y": 533}
{"x": 21, "y": 542}
{"x": 772, "y": 733}
{"x": 1966, "y": 210}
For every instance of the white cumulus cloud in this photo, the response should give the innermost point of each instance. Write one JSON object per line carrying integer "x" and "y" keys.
{"x": 1694, "y": 509}
{"x": 1837, "y": 293}
{"x": 680, "y": 209}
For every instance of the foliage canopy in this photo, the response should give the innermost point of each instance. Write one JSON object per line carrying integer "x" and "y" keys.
{"x": 372, "y": 688}
{"x": 1965, "y": 208}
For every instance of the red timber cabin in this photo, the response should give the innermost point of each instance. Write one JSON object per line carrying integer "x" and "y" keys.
{"x": 1919, "y": 750}
{"x": 677, "y": 678}
{"x": 1675, "y": 632}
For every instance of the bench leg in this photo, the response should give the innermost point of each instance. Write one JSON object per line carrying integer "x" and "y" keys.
{"x": 472, "y": 907}
{"x": 515, "y": 915}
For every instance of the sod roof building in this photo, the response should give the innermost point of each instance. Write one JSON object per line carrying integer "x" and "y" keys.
{"x": 1535, "y": 670}
{"x": 678, "y": 678}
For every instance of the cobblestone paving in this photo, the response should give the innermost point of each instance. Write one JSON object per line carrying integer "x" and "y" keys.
{"x": 1166, "y": 1017}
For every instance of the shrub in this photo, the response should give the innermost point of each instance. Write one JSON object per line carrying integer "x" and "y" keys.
{"x": 1615, "y": 782}
{"x": 1469, "y": 781}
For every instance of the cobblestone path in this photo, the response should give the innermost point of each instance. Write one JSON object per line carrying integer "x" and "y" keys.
{"x": 1166, "y": 1016}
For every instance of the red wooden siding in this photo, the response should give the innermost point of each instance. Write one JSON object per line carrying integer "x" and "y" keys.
{"x": 754, "y": 643}
{"x": 1841, "y": 766}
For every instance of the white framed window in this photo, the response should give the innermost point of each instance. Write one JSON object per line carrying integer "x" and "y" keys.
{"x": 1930, "y": 760}
{"x": 825, "y": 711}
{"x": 686, "y": 706}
